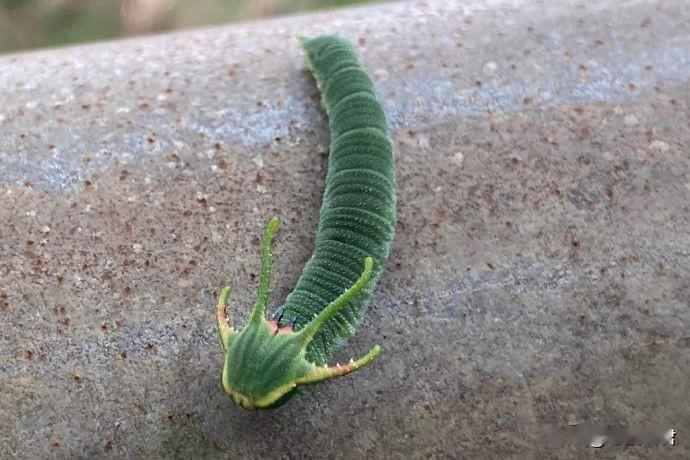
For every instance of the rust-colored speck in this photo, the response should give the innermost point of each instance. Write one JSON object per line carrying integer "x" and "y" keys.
{"x": 103, "y": 326}
{"x": 579, "y": 110}
{"x": 149, "y": 346}
{"x": 124, "y": 174}
{"x": 76, "y": 377}
{"x": 527, "y": 100}
{"x": 170, "y": 416}
{"x": 632, "y": 86}
{"x": 575, "y": 242}
{"x": 478, "y": 83}
{"x": 108, "y": 445}
{"x": 189, "y": 415}
{"x": 29, "y": 355}
{"x": 582, "y": 67}
{"x": 645, "y": 22}
{"x": 55, "y": 444}
{"x": 609, "y": 192}
{"x": 598, "y": 42}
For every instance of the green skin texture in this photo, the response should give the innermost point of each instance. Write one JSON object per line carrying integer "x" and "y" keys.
{"x": 268, "y": 359}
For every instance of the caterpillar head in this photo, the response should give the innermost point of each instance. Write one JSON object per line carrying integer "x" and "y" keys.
{"x": 264, "y": 363}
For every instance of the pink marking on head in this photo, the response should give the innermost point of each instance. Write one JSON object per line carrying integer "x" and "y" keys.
{"x": 287, "y": 328}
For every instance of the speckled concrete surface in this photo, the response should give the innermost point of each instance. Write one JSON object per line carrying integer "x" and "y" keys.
{"x": 540, "y": 274}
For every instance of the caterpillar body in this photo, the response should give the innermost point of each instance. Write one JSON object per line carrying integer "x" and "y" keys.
{"x": 268, "y": 359}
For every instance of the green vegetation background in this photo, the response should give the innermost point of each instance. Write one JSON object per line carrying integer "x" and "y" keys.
{"x": 40, "y": 23}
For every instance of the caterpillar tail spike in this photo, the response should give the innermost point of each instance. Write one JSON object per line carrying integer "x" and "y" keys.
{"x": 277, "y": 354}
{"x": 268, "y": 359}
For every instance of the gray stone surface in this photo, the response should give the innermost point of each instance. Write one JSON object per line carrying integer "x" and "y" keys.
{"x": 540, "y": 274}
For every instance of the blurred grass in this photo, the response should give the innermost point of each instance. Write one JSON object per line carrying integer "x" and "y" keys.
{"x": 28, "y": 24}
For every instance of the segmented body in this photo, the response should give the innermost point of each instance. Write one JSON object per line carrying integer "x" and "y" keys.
{"x": 358, "y": 214}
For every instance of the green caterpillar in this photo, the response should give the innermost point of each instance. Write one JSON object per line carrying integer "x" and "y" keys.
{"x": 268, "y": 359}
